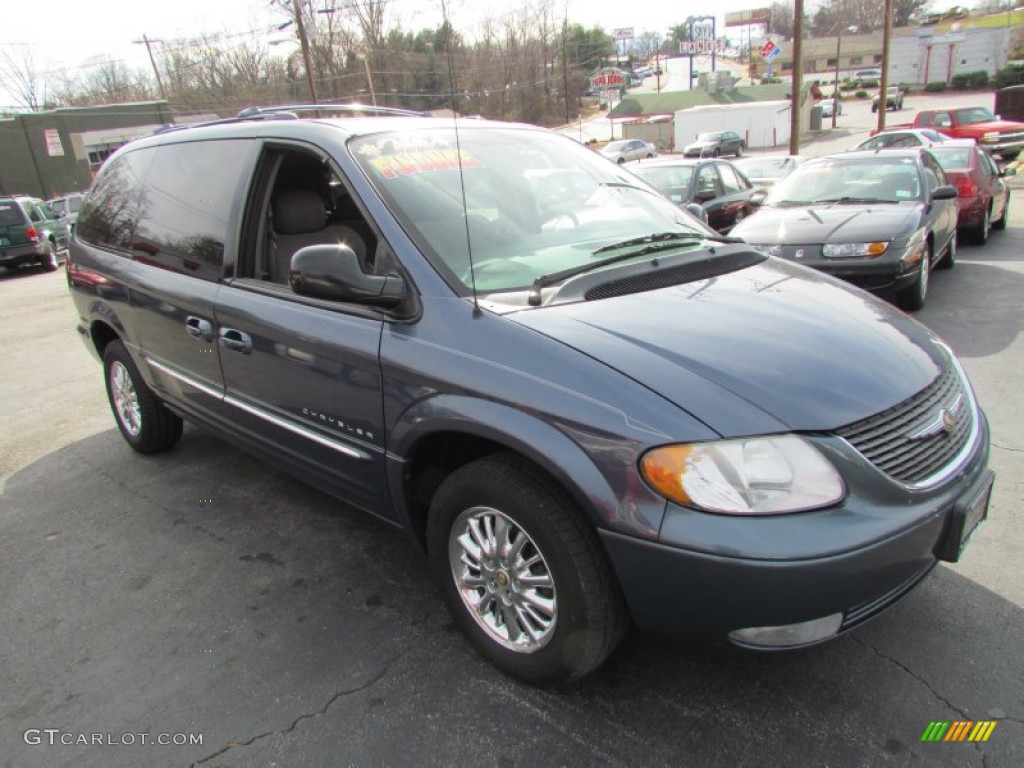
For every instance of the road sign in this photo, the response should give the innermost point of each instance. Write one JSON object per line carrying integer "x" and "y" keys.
{"x": 701, "y": 47}
{"x": 623, "y": 33}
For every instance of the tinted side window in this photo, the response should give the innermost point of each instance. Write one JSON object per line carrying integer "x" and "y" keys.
{"x": 707, "y": 181}
{"x": 937, "y": 175}
{"x": 190, "y": 193}
{"x": 731, "y": 181}
{"x": 33, "y": 212}
{"x": 111, "y": 213}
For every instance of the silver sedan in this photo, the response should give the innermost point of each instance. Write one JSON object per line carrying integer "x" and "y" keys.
{"x": 624, "y": 150}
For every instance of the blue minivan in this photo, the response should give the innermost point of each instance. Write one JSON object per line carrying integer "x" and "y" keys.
{"x": 586, "y": 407}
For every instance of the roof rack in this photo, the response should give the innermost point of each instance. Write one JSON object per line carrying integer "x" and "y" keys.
{"x": 287, "y": 112}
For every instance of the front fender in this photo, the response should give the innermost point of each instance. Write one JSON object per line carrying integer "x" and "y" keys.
{"x": 598, "y": 472}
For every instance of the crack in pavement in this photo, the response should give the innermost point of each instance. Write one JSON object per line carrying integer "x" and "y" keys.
{"x": 1007, "y": 448}
{"x": 913, "y": 674}
{"x": 935, "y": 693}
{"x": 372, "y": 681}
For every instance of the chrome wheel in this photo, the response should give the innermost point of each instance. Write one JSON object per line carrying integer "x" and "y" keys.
{"x": 503, "y": 579}
{"x": 126, "y": 399}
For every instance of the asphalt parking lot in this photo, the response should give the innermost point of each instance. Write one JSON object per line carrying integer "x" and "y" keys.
{"x": 203, "y": 594}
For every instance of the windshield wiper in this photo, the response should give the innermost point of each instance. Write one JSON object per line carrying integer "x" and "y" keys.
{"x": 848, "y": 199}
{"x": 534, "y": 297}
{"x": 660, "y": 237}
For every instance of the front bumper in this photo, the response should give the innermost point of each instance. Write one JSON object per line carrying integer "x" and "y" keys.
{"x": 1000, "y": 144}
{"x": 725, "y": 574}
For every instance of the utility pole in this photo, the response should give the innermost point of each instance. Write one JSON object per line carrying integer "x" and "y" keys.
{"x": 369, "y": 78}
{"x": 883, "y": 85}
{"x": 305, "y": 51}
{"x": 798, "y": 65}
{"x": 149, "y": 49}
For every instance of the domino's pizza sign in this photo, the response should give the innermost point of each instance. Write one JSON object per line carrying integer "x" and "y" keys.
{"x": 770, "y": 51}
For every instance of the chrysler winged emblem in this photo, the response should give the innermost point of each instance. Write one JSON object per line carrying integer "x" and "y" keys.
{"x": 944, "y": 421}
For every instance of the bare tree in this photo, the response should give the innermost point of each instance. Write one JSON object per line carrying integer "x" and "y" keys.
{"x": 24, "y": 82}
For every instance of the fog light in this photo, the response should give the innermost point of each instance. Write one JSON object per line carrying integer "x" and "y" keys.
{"x": 788, "y": 635}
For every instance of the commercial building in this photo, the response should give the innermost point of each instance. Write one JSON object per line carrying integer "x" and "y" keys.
{"x": 50, "y": 153}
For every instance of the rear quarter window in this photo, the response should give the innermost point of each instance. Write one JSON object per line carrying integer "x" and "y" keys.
{"x": 111, "y": 213}
{"x": 11, "y": 214}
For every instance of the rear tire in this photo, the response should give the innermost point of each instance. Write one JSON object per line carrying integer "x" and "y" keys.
{"x": 145, "y": 422}
{"x": 49, "y": 257}
{"x": 1000, "y": 223}
{"x": 982, "y": 231}
{"x": 522, "y": 572}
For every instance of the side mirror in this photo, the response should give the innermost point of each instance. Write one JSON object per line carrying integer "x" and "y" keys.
{"x": 697, "y": 211}
{"x": 1010, "y": 171}
{"x": 333, "y": 272}
{"x": 945, "y": 192}
{"x": 757, "y": 197}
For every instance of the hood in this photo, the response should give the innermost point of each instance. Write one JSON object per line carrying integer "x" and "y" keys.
{"x": 1000, "y": 126}
{"x": 702, "y": 144}
{"x": 815, "y": 225}
{"x": 770, "y": 348}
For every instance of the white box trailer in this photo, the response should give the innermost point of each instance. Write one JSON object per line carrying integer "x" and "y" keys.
{"x": 761, "y": 123}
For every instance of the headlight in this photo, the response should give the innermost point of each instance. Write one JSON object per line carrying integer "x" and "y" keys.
{"x": 990, "y": 135}
{"x": 915, "y": 249}
{"x": 852, "y": 250}
{"x": 749, "y": 476}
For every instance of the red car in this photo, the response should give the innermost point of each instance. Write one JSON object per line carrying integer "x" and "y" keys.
{"x": 984, "y": 199}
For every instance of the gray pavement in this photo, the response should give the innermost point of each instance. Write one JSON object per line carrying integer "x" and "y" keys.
{"x": 203, "y": 593}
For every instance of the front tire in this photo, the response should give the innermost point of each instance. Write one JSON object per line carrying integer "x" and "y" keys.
{"x": 145, "y": 422}
{"x": 739, "y": 151}
{"x": 914, "y": 297}
{"x": 522, "y": 572}
{"x": 949, "y": 258}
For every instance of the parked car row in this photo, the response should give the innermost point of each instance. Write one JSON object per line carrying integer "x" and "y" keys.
{"x": 880, "y": 216}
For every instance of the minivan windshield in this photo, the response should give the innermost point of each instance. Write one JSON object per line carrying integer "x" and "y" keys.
{"x": 525, "y": 203}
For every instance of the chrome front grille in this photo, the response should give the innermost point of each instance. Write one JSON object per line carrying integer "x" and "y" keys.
{"x": 921, "y": 436}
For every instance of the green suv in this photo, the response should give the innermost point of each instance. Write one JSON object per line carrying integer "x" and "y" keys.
{"x": 30, "y": 233}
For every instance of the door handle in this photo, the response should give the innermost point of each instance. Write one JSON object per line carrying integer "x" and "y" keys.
{"x": 199, "y": 328}
{"x": 236, "y": 340}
